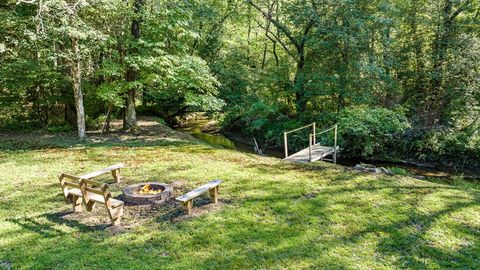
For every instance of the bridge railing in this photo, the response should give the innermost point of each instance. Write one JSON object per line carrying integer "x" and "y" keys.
{"x": 312, "y": 140}
{"x": 285, "y": 135}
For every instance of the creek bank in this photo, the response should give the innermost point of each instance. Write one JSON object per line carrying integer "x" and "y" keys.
{"x": 208, "y": 130}
{"x": 415, "y": 169}
{"x": 372, "y": 169}
{"x": 202, "y": 127}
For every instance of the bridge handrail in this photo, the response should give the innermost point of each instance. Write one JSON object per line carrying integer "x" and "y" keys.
{"x": 300, "y": 128}
{"x": 334, "y": 127}
{"x": 326, "y": 130}
{"x": 312, "y": 140}
{"x": 285, "y": 137}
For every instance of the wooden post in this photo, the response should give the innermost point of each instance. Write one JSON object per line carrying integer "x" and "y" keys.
{"x": 77, "y": 204}
{"x": 188, "y": 206}
{"x": 214, "y": 194}
{"x": 335, "y": 145}
{"x": 115, "y": 215}
{"x": 310, "y": 148}
{"x": 285, "y": 142}
{"x": 117, "y": 221}
{"x": 314, "y": 134}
{"x": 116, "y": 175}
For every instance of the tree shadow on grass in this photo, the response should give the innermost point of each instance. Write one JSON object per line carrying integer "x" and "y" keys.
{"x": 264, "y": 236}
{"x": 271, "y": 235}
{"x": 70, "y": 142}
{"x": 406, "y": 238}
{"x": 48, "y": 230}
{"x": 202, "y": 205}
{"x": 412, "y": 247}
{"x": 284, "y": 166}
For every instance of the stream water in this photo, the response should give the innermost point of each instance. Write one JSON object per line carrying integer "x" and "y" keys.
{"x": 207, "y": 130}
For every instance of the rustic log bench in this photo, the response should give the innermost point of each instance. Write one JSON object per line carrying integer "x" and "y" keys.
{"x": 76, "y": 189}
{"x": 211, "y": 187}
{"x": 114, "y": 169}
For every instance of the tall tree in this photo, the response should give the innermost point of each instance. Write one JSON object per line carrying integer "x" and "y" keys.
{"x": 444, "y": 40}
{"x": 76, "y": 79}
{"x": 76, "y": 69}
{"x": 297, "y": 41}
{"x": 130, "y": 116}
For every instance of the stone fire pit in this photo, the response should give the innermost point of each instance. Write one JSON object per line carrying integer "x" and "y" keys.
{"x": 150, "y": 192}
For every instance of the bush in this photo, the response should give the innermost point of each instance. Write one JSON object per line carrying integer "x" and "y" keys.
{"x": 399, "y": 171}
{"x": 95, "y": 123}
{"x": 57, "y": 129}
{"x": 450, "y": 145}
{"x": 368, "y": 132}
{"x": 161, "y": 121}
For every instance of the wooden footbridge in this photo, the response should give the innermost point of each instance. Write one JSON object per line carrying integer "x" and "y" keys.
{"x": 314, "y": 151}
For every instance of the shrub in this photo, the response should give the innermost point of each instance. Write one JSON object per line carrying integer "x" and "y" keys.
{"x": 399, "y": 171}
{"x": 64, "y": 128}
{"x": 450, "y": 145}
{"x": 95, "y": 123}
{"x": 161, "y": 121}
{"x": 368, "y": 132}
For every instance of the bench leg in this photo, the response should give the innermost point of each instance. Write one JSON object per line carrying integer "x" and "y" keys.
{"x": 116, "y": 175}
{"x": 77, "y": 204}
{"x": 68, "y": 199}
{"x": 214, "y": 194}
{"x": 115, "y": 215}
{"x": 90, "y": 205}
{"x": 188, "y": 206}
{"x": 117, "y": 221}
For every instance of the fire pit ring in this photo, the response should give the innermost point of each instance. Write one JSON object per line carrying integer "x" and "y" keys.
{"x": 149, "y": 192}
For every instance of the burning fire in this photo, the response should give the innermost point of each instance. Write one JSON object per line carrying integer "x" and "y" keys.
{"x": 148, "y": 189}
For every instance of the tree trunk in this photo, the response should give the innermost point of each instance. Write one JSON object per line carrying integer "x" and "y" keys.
{"x": 130, "y": 116}
{"x": 299, "y": 84}
{"x": 106, "y": 125}
{"x": 264, "y": 56}
{"x": 274, "y": 51}
{"x": 418, "y": 43}
{"x": 389, "y": 98}
{"x": 76, "y": 78}
{"x": 440, "y": 56}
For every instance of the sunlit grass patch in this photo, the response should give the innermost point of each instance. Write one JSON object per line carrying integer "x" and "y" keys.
{"x": 271, "y": 214}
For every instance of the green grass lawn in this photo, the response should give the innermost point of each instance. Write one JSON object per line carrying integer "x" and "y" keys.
{"x": 271, "y": 215}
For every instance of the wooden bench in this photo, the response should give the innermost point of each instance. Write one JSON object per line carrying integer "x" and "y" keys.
{"x": 114, "y": 169}
{"x": 211, "y": 187}
{"x": 76, "y": 189}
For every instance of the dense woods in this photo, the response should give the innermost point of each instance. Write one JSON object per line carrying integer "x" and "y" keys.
{"x": 400, "y": 77}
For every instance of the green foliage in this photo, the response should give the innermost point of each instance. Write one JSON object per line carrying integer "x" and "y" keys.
{"x": 260, "y": 120}
{"x": 187, "y": 86}
{"x": 161, "y": 121}
{"x": 268, "y": 66}
{"x": 58, "y": 129}
{"x": 95, "y": 123}
{"x": 370, "y": 132}
{"x": 398, "y": 171}
{"x": 454, "y": 145}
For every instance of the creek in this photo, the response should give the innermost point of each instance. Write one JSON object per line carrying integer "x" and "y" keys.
{"x": 206, "y": 129}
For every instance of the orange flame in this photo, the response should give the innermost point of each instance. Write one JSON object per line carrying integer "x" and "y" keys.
{"x": 147, "y": 189}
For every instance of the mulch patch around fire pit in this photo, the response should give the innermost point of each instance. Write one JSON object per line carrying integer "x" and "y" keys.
{"x": 136, "y": 214}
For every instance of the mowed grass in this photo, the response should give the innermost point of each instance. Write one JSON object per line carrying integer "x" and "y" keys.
{"x": 271, "y": 215}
